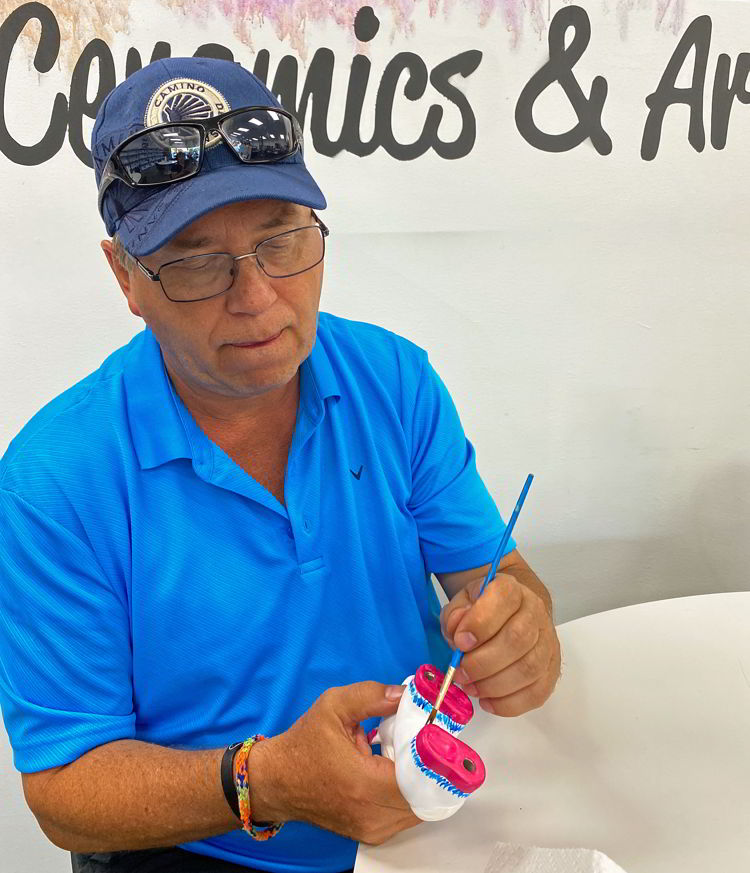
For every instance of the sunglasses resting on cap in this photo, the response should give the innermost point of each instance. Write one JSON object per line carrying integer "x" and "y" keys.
{"x": 171, "y": 152}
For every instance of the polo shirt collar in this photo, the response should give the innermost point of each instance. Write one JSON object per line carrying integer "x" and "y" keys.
{"x": 158, "y": 430}
{"x": 155, "y": 425}
{"x": 319, "y": 366}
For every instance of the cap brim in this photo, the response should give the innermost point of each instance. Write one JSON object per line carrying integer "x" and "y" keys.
{"x": 160, "y": 217}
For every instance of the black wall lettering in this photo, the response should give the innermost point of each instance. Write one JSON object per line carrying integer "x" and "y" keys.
{"x": 310, "y": 99}
{"x": 318, "y": 83}
{"x": 415, "y": 86}
{"x": 260, "y": 67}
{"x": 559, "y": 69}
{"x": 133, "y": 61}
{"x": 464, "y": 65}
{"x": 44, "y": 58}
{"x": 284, "y": 85}
{"x": 351, "y": 134}
{"x": 79, "y": 103}
{"x": 724, "y": 95}
{"x": 213, "y": 50}
{"x": 366, "y": 24}
{"x": 698, "y": 37}
{"x": 366, "y": 27}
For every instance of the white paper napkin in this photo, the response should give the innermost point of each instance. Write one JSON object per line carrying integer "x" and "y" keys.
{"x": 507, "y": 858}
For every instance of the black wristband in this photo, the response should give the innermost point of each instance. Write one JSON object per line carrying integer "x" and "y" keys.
{"x": 227, "y": 778}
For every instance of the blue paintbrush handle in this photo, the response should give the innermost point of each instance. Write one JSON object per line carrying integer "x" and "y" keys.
{"x": 458, "y": 654}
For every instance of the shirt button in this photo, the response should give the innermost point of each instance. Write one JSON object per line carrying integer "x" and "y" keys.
{"x": 290, "y": 532}
{"x": 306, "y": 524}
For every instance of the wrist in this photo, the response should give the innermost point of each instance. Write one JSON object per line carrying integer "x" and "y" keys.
{"x": 265, "y": 783}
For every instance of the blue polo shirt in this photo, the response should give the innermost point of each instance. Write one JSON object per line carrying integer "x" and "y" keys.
{"x": 151, "y": 589}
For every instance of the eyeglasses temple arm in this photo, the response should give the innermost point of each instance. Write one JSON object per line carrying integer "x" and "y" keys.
{"x": 149, "y": 274}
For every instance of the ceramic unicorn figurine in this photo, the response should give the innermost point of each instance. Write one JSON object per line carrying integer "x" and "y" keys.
{"x": 435, "y": 770}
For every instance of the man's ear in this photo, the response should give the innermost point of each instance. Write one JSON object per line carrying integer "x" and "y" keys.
{"x": 123, "y": 276}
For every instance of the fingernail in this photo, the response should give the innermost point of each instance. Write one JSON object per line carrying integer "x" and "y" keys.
{"x": 471, "y": 690}
{"x": 463, "y": 676}
{"x": 394, "y": 692}
{"x": 487, "y": 706}
{"x": 465, "y": 641}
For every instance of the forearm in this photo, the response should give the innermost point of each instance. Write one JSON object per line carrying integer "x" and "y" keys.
{"x": 129, "y": 795}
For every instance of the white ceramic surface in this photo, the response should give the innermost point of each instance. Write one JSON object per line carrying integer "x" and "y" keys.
{"x": 428, "y": 800}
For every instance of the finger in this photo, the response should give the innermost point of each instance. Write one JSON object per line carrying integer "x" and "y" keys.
{"x": 523, "y": 649}
{"x": 531, "y": 697}
{"x": 449, "y": 624}
{"x": 502, "y": 598}
{"x": 535, "y": 664}
{"x": 515, "y": 639}
{"x": 360, "y": 741}
{"x": 451, "y": 613}
{"x": 383, "y": 787}
{"x": 362, "y": 700}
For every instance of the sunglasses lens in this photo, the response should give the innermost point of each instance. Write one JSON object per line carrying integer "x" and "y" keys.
{"x": 260, "y": 134}
{"x": 163, "y": 155}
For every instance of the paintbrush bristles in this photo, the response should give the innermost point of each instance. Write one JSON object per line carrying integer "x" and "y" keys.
{"x": 441, "y": 694}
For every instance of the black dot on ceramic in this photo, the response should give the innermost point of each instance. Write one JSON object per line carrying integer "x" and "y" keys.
{"x": 469, "y": 765}
{"x": 366, "y": 24}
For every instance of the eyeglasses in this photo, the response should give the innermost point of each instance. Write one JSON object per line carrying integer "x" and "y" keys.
{"x": 172, "y": 152}
{"x": 201, "y": 277}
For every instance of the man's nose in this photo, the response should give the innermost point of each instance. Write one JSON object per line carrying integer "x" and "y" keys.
{"x": 251, "y": 290}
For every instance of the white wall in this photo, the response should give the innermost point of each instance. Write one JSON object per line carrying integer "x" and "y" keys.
{"x": 589, "y": 313}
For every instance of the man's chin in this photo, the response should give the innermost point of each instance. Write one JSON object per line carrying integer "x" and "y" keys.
{"x": 256, "y": 381}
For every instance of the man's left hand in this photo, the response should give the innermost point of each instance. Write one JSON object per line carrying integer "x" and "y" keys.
{"x": 512, "y": 654}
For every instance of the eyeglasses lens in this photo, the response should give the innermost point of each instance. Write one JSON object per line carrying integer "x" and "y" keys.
{"x": 162, "y": 155}
{"x": 259, "y": 134}
{"x": 205, "y": 276}
{"x": 291, "y": 253}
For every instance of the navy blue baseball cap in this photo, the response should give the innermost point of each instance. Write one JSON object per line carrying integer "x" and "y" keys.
{"x": 147, "y": 218}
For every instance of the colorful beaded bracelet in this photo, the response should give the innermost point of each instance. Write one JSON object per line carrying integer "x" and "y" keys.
{"x": 243, "y": 794}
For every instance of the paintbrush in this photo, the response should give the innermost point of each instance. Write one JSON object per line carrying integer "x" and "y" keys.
{"x": 458, "y": 654}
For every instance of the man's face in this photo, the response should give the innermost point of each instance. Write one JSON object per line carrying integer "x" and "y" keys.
{"x": 199, "y": 339}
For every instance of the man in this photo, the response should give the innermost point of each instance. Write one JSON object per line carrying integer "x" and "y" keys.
{"x": 228, "y": 529}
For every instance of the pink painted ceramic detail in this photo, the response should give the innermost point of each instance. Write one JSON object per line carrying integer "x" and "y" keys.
{"x": 456, "y": 704}
{"x": 450, "y": 757}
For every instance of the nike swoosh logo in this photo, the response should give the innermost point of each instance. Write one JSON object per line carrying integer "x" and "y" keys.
{"x": 357, "y": 474}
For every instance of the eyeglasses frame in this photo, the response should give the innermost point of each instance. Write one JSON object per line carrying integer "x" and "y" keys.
{"x": 114, "y": 169}
{"x": 155, "y": 276}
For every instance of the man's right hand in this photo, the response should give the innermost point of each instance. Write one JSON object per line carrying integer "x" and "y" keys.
{"x": 322, "y": 770}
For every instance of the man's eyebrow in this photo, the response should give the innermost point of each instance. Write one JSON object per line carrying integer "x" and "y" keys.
{"x": 187, "y": 244}
{"x": 282, "y": 217}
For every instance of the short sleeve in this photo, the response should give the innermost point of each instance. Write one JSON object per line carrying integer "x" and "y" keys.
{"x": 459, "y": 524}
{"x": 65, "y": 653}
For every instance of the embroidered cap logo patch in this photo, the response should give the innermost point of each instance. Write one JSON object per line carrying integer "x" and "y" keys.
{"x": 186, "y": 100}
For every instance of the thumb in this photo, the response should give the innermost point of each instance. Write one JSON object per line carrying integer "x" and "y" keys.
{"x": 354, "y": 703}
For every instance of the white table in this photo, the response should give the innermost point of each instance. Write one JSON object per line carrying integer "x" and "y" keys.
{"x": 643, "y": 751}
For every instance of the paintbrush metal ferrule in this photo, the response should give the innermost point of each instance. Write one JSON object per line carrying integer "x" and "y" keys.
{"x": 441, "y": 694}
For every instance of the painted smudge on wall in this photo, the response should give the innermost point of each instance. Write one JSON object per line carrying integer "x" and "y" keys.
{"x": 80, "y": 22}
